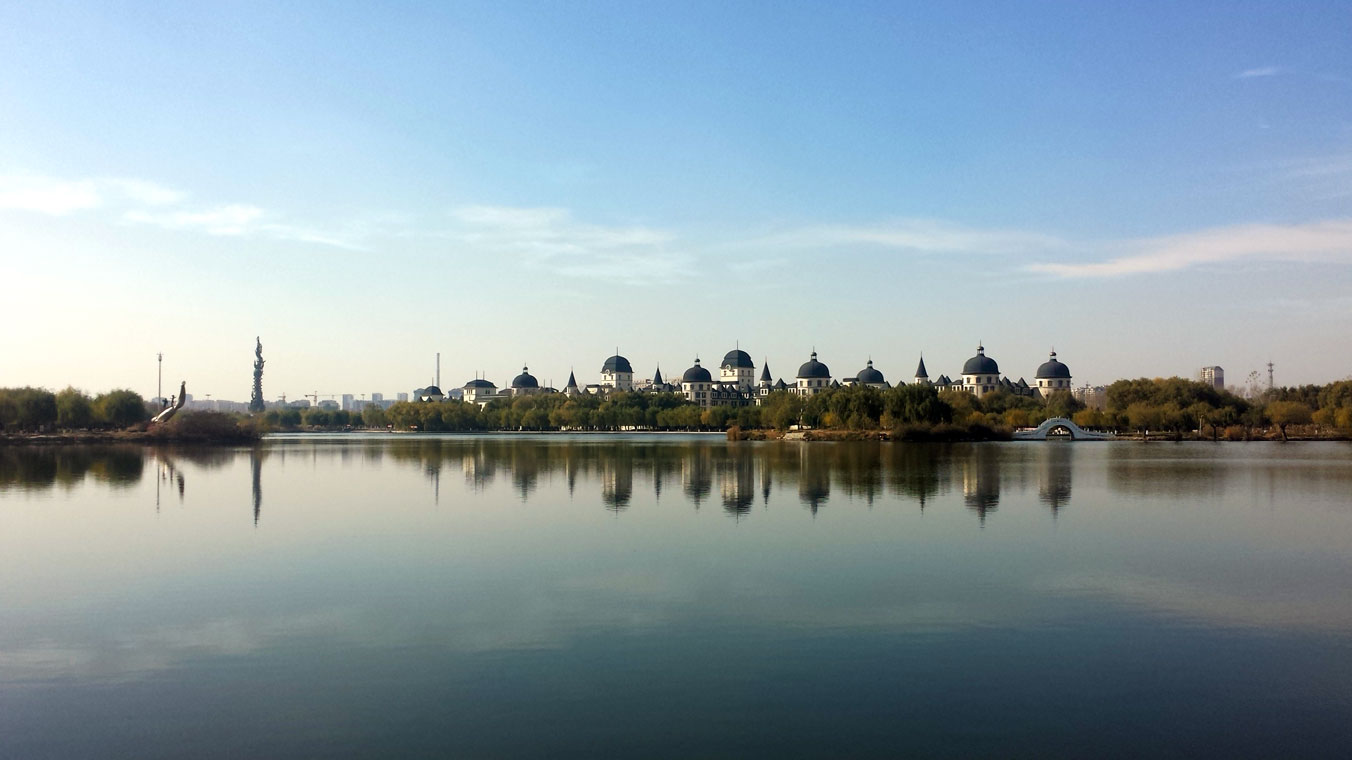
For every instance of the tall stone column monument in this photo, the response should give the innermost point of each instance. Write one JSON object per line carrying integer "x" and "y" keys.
{"x": 256, "y": 400}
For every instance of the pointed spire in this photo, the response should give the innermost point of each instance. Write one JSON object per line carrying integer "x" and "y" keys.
{"x": 920, "y": 371}
{"x": 572, "y": 381}
{"x": 765, "y": 372}
{"x": 657, "y": 376}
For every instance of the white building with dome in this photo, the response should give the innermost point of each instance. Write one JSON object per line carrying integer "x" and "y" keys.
{"x": 697, "y": 385}
{"x": 980, "y": 374}
{"x": 813, "y": 377}
{"x": 1052, "y": 376}
{"x": 617, "y": 374}
{"x": 738, "y": 370}
{"x": 524, "y": 384}
{"x": 868, "y": 377}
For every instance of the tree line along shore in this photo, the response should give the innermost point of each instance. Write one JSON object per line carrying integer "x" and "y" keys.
{"x": 1172, "y": 408}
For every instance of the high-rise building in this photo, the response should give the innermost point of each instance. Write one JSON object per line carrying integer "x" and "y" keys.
{"x": 1213, "y": 376}
{"x": 401, "y": 396}
{"x": 347, "y": 402}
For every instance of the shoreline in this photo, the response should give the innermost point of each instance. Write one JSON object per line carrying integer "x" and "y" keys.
{"x": 142, "y": 437}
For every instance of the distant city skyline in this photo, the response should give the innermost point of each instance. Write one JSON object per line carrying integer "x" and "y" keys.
{"x": 1148, "y": 189}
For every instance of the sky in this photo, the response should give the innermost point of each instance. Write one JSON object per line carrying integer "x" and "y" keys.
{"x": 1147, "y": 189}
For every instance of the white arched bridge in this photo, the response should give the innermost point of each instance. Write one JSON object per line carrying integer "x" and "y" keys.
{"x": 1059, "y": 426}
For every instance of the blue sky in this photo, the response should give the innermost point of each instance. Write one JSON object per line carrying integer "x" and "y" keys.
{"x": 1148, "y": 188}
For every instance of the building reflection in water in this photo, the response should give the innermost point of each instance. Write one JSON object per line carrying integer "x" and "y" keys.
{"x": 697, "y": 477}
{"x": 981, "y": 481}
{"x": 617, "y": 483}
{"x": 867, "y": 473}
{"x": 737, "y": 481}
{"x": 1053, "y": 481}
{"x": 814, "y": 477}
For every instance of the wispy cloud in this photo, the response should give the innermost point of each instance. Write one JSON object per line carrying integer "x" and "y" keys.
{"x": 1314, "y": 241}
{"x": 919, "y": 236}
{"x": 1262, "y": 71}
{"x": 59, "y": 197}
{"x": 550, "y": 238}
{"x": 139, "y": 201}
{"x": 46, "y": 195}
{"x": 234, "y": 219}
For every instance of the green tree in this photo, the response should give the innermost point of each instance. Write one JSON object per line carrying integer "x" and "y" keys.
{"x": 73, "y": 409}
{"x": 120, "y": 408}
{"x": 1283, "y": 413}
{"x": 27, "y": 408}
{"x": 373, "y": 416}
{"x": 1144, "y": 417}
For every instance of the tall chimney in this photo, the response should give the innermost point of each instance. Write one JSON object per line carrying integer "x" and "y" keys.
{"x": 438, "y": 383}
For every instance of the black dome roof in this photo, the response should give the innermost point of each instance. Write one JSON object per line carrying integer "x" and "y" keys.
{"x": 431, "y": 390}
{"x": 980, "y": 364}
{"x": 1053, "y": 370}
{"x": 525, "y": 380}
{"x": 738, "y": 359}
{"x": 479, "y": 382}
{"x": 813, "y": 368}
{"x": 697, "y": 374}
{"x": 869, "y": 374}
{"x": 617, "y": 363}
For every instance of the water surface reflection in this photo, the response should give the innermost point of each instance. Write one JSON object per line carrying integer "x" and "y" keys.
{"x": 674, "y": 596}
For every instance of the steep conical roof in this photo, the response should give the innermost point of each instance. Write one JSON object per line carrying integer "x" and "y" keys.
{"x": 657, "y": 376}
{"x": 765, "y": 373}
{"x": 572, "y": 381}
{"x": 920, "y": 371}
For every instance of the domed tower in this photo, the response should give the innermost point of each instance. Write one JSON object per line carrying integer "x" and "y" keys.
{"x": 870, "y": 377}
{"x": 980, "y": 375}
{"x": 696, "y": 384}
{"x": 813, "y": 377}
{"x": 525, "y": 384}
{"x": 617, "y": 374}
{"x": 1052, "y": 376}
{"x": 737, "y": 369}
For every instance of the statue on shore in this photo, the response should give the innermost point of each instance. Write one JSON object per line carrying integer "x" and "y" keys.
{"x": 256, "y": 400}
{"x": 172, "y": 409}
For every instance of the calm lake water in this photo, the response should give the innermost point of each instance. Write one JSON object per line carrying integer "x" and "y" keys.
{"x": 673, "y": 596}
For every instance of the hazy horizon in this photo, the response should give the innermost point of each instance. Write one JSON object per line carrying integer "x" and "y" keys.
{"x": 1147, "y": 189}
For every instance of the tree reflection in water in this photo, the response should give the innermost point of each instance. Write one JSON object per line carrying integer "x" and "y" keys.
{"x": 858, "y": 472}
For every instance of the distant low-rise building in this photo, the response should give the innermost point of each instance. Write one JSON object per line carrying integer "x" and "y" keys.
{"x": 479, "y": 391}
{"x": 1094, "y": 397}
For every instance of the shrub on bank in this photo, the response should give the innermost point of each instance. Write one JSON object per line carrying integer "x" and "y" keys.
{"x": 207, "y": 426}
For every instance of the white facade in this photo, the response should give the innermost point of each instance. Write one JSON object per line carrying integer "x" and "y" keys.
{"x": 479, "y": 391}
{"x": 813, "y": 377}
